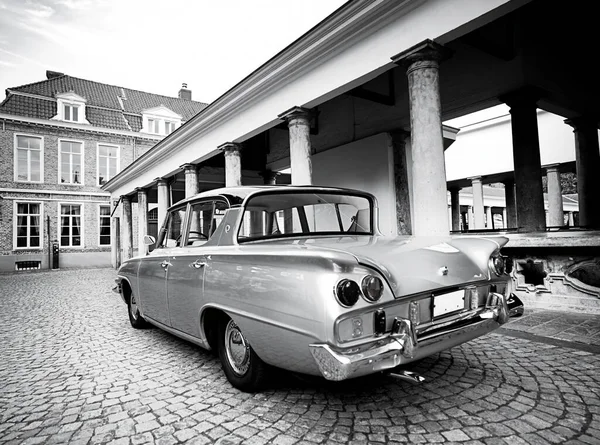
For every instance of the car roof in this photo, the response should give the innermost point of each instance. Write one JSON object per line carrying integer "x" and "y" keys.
{"x": 236, "y": 195}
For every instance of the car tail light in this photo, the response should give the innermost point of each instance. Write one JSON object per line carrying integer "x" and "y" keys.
{"x": 473, "y": 298}
{"x": 497, "y": 264}
{"x": 379, "y": 322}
{"x": 372, "y": 288}
{"x": 414, "y": 313}
{"x": 357, "y": 327}
{"x": 347, "y": 292}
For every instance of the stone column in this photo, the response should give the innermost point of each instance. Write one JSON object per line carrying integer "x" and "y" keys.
{"x": 489, "y": 224}
{"x": 163, "y": 200}
{"x": 115, "y": 240}
{"x": 397, "y": 145}
{"x": 269, "y": 177}
{"x": 298, "y": 120}
{"x": 233, "y": 163}
{"x": 511, "y": 205}
{"x": 455, "y": 206}
{"x": 478, "y": 210}
{"x": 587, "y": 160}
{"x": 429, "y": 173}
{"x": 471, "y": 218}
{"x": 526, "y": 155}
{"x": 142, "y": 220}
{"x": 504, "y": 225}
{"x": 126, "y": 229}
{"x": 191, "y": 180}
{"x": 555, "y": 202}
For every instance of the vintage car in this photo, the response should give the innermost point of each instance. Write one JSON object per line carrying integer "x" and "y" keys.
{"x": 300, "y": 278}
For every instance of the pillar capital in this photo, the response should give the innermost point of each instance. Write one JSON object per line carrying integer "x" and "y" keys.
{"x": 523, "y": 97}
{"x": 125, "y": 198}
{"x": 139, "y": 190}
{"x": 188, "y": 168}
{"x": 230, "y": 147}
{"x": 296, "y": 113}
{"x": 552, "y": 167}
{"x": 161, "y": 181}
{"x": 399, "y": 136}
{"x": 580, "y": 123}
{"x": 269, "y": 176}
{"x": 476, "y": 179}
{"x": 425, "y": 52}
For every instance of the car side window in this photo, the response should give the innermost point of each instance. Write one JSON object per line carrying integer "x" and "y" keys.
{"x": 173, "y": 228}
{"x": 205, "y": 216}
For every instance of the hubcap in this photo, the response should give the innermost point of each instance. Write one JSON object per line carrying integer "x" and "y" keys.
{"x": 133, "y": 307}
{"x": 237, "y": 349}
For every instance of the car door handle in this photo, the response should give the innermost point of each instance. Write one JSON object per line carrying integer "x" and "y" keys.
{"x": 198, "y": 264}
{"x": 165, "y": 264}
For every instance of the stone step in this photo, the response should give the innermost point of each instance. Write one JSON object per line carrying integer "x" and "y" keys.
{"x": 567, "y": 303}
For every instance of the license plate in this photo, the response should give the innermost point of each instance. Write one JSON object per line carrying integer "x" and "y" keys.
{"x": 447, "y": 303}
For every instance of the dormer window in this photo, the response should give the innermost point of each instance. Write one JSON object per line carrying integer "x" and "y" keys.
{"x": 71, "y": 113}
{"x": 160, "y": 120}
{"x": 154, "y": 126}
{"x": 70, "y": 108}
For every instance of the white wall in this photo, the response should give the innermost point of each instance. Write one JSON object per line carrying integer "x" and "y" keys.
{"x": 365, "y": 165}
{"x": 486, "y": 147}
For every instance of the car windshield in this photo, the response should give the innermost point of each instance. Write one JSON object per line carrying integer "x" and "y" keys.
{"x": 300, "y": 213}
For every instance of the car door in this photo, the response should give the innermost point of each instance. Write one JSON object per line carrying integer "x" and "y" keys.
{"x": 185, "y": 281}
{"x": 154, "y": 267}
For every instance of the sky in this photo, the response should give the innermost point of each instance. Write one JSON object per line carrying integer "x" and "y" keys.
{"x": 150, "y": 45}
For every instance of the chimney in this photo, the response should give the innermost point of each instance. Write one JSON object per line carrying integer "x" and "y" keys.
{"x": 184, "y": 93}
{"x": 53, "y": 74}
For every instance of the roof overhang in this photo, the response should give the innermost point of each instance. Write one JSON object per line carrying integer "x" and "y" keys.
{"x": 320, "y": 65}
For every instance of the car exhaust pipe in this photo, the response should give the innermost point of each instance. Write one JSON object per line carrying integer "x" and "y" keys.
{"x": 409, "y": 376}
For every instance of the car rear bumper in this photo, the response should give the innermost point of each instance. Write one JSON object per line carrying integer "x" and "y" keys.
{"x": 403, "y": 346}
{"x": 117, "y": 289}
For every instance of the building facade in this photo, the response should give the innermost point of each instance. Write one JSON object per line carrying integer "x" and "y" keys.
{"x": 359, "y": 101}
{"x": 61, "y": 139}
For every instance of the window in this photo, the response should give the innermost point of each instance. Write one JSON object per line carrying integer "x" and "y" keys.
{"x": 28, "y": 158}
{"x": 70, "y": 107}
{"x": 160, "y": 120}
{"x": 28, "y": 217}
{"x": 171, "y": 232}
{"x": 108, "y": 162}
{"x": 271, "y": 215}
{"x": 70, "y": 162}
{"x": 169, "y": 127}
{"x": 70, "y": 225}
{"x": 104, "y": 225}
{"x": 205, "y": 217}
{"x": 71, "y": 112}
{"x": 153, "y": 126}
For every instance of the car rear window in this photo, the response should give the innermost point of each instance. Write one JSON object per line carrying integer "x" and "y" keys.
{"x": 293, "y": 214}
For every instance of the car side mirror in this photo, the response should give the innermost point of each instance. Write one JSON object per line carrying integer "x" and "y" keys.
{"x": 149, "y": 240}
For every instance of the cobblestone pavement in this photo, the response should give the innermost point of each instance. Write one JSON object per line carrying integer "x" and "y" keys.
{"x": 575, "y": 327}
{"x": 73, "y": 371}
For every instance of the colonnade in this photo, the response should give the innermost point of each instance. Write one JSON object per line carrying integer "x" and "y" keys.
{"x": 423, "y": 206}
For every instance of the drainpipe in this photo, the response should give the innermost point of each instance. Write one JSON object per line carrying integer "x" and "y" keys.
{"x": 49, "y": 242}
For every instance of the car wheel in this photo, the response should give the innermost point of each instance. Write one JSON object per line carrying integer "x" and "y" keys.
{"x": 135, "y": 318}
{"x": 242, "y": 367}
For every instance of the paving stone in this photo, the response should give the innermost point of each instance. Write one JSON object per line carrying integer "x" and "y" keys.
{"x": 103, "y": 382}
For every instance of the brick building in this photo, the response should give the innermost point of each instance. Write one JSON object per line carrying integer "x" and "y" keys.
{"x": 61, "y": 139}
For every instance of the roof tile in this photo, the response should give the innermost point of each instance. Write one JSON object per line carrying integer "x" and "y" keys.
{"x": 114, "y": 112}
